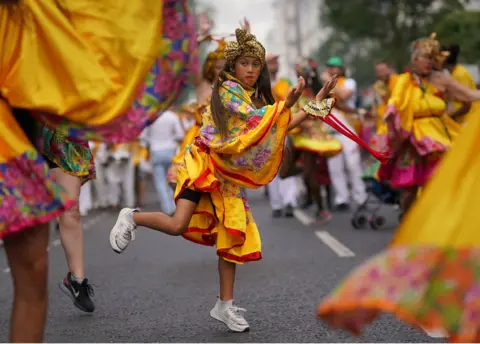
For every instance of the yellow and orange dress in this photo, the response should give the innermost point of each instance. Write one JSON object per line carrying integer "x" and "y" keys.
{"x": 313, "y": 135}
{"x": 77, "y": 66}
{"x": 429, "y": 275}
{"x": 221, "y": 167}
{"x": 190, "y": 135}
{"x": 422, "y": 129}
{"x": 463, "y": 76}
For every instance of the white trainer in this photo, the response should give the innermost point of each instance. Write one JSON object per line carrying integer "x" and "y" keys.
{"x": 124, "y": 230}
{"x": 230, "y": 315}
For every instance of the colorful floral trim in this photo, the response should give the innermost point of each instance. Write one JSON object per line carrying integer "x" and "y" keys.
{"x": 28, "y": 194}
{"x": 429, "y": 287}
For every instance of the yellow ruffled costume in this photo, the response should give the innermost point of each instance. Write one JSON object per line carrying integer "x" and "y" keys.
{"x": 220, "y": 168}
{"x": 429, "y": 274}
{"x": 316, "y": 137}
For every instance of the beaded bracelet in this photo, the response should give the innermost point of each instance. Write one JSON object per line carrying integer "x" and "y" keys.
{"x": 320, "y": 108}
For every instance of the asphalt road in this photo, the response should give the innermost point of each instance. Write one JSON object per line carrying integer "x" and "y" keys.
{"x": 162, "y": 288}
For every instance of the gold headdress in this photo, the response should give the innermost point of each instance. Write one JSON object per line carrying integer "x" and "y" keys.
{"x": 430, "y": 47}
{"x": 217, "y": 54}
{"x": 246, "y": 45}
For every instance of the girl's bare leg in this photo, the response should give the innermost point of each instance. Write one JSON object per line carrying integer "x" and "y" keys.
{"x": 129, "y": 219}
{"x": 226, "y": 271}
{"x": 28, "y": 259}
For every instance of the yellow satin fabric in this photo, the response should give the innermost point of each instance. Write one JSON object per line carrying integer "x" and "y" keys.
{"x": 87, "y": 67}
{"x": 447, "y": 213}
{"x": 315, "y": 138}
{"x": 423, "y": 112}
{"x": 249, "y": 157}
{"x": 13, "y": 141}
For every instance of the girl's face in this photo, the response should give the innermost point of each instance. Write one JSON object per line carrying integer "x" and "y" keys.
{"x": 423, "y": 65}
{"x": 247, "y": 70}
{"x": 219, "y": 65}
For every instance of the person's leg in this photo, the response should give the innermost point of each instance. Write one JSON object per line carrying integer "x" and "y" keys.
{"x": 355, "y": 170}
{"x": 28, "y": 260}
{"x": 336, "y": 169}
{"x": 275, "y": 197}
{"x": 225, "y": 309}
{"x": 160, "y": 159}
{"x": 75, "y": 285}
{"x": 85, "y": 199}
{"x": 289, "y": 196}
{"x": 129, "y": 184}
{"x": 123, "y": 232}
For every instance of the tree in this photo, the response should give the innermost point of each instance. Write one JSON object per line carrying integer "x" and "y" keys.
{"x": 384, "y": 28}
{"x": 462, "y": 27}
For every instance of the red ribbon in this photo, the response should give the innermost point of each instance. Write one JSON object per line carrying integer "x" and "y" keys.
{"x": 337, "y": 124}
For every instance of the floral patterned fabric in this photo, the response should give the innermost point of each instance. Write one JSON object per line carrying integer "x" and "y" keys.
{"x": 435, "y": 288}
{"x": 72, "y": 157}
{"x": 219, "y": 167}
{"x": 28, "y": 192}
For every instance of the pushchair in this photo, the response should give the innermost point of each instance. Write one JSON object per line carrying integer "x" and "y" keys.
{"x": 379, "y": 194}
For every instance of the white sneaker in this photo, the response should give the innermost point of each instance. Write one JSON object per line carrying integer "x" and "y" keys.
{"x": 436, "y": 333}
{"x": 230, "y": 315}
{"x": 124, "y": 230}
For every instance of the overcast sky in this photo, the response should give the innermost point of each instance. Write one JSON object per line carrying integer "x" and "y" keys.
{"x": 230, "y": 12}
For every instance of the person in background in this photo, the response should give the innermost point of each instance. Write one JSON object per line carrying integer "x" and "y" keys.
{"x": 163, "y": 138}
{"x": 349, "y": 158}
{"x": 456, "y": 109}
{"x": 282, "y": 192}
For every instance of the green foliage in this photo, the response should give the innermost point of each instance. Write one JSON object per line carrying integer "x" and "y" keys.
{"x": 370, "y": 30}
{"x": 462, "y": 27}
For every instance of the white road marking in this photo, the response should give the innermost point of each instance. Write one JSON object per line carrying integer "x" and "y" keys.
{"x": 340, "y": 249}
{"x": 303, "y": 217}
{"x": 336, "y": 246}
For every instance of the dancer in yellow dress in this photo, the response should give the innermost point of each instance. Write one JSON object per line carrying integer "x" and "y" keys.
{"x": 313, "y": 140}
{"x": 79, "y": 79}
{"x": 419, "y": 129}
{"x": 240, "y": 146}
{"x": 429, "y": 274}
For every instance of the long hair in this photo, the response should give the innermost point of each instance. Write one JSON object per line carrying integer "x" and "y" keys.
{"x": 217, "y": 108}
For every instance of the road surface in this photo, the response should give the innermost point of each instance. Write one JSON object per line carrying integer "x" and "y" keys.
{"x": 162, "y": 288}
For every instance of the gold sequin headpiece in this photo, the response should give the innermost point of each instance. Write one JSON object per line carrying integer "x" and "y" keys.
{"x": 246, "y": 45}
{"x": 430, "y": 47}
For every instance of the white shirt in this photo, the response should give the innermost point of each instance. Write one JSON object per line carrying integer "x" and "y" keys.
{"x": 165, "y": 132}
{"x": 350, "y": 85}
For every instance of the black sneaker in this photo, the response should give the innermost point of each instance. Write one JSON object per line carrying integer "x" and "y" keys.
{"x": 288, "y": 211}
{"x": 277, "y": 213}
{"x": 80, "y": 293}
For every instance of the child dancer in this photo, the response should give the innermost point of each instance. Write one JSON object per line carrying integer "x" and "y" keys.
{"x": 240, "y": 145}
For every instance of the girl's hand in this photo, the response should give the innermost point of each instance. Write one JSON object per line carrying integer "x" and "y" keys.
{"x": 327, "y": 88}
{"x": 205, "y": 24}
{"x": 295, "y": 93}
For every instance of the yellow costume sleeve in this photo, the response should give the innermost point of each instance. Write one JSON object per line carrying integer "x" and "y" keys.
{"x": 400, "y": 105}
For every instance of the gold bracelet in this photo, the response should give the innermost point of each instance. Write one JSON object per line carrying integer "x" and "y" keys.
{"x": 320, "y": 108}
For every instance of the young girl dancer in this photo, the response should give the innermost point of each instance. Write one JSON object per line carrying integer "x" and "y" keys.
{"x": 240, "y": 145}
